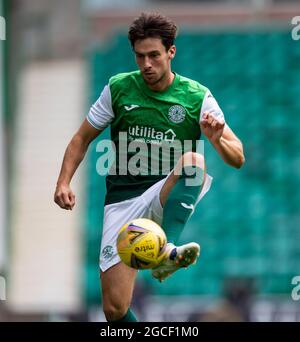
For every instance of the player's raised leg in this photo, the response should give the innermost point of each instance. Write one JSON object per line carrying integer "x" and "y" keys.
{"x": 117, "y": 288}
{"x": 178, "y": 197}
{"x": 180, "y": 192}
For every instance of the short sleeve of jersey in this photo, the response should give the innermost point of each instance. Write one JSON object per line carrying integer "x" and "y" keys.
{"x": 101, "y": 113}
{"x": 210, "y": 105}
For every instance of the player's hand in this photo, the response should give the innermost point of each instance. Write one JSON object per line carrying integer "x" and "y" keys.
{"x": 211, "y": 127}
{"x": 64, "y": 196}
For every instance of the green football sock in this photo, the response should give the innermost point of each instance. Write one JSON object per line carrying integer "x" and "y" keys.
{"x": 181, "y": 201}
{"x": 129, "y": 317}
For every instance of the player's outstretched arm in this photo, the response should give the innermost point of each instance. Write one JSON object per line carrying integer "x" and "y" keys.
{"x": 74, "y": 154}
{"x": 223, "y": 139}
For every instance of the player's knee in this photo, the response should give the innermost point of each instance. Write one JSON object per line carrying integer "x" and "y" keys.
{"x": 115, "y": 312}
{"x": 193, "y": 159}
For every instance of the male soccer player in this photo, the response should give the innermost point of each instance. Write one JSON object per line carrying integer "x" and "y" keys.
{"x": 153, "y": 105}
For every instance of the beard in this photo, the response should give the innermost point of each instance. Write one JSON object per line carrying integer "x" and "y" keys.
{"x": 153, "y": 80}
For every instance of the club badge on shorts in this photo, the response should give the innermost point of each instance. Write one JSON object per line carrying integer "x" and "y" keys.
{"x": 107, "y": 252}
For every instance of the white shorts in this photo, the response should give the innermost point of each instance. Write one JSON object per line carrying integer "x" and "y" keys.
{"x": 116, "y": 215}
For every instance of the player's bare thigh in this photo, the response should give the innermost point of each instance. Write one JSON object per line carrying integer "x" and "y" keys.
{"x": 117, "y": 288}
{"x": 188, "y": 159}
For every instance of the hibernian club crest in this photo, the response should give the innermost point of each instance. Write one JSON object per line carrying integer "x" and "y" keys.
{"x": 107, "y": 252}
{"x": 176, "y": 114}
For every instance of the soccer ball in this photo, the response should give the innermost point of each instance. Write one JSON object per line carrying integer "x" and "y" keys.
{"x": 141, "y": 243}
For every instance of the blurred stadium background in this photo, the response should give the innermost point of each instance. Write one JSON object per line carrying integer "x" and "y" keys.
{"x": 55, "y": 60}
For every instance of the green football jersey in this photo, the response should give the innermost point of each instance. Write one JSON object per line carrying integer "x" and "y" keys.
{"x": 154, "y": 127}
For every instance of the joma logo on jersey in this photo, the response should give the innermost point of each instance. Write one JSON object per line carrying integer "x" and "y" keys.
{"x": 149, "y": 134}
{"x": 131, "y": 107}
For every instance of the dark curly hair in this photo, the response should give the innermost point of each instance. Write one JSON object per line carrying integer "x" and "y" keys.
{"x": 153, "y": 25}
